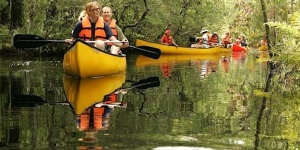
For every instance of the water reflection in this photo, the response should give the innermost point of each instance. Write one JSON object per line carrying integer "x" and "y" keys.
{"x": 203, "y": 64}
{"x": 221, "y": 112}
{"x": 83, "y": 93}
{"x": 225, "y": 63}
{"x": 205, "y": 67}
{"x": 94, "y": 100}
{"x": 239, "y": 56}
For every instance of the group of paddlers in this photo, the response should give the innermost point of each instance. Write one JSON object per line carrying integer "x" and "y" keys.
{"x": 207, "y": 40}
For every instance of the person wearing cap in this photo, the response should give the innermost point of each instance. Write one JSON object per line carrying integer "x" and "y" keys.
{"x": 205, "y": 36}
{"x": 167, "y": 39}
{"x": 202, "y": 41}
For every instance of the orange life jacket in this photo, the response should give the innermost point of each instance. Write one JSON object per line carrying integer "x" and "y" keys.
{"x": 111, "y": 98}
{"x": 113, "y": 26}
{"x": 98, "y": 115}
{"x": 167, "y": 39}
{"x": 86, "y": 32}
{"x": 213, "y": 40}
{"x": 85, "y": 118}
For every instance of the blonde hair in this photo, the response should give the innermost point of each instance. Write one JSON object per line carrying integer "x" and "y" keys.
{"x": 88, "y": 7}
{"x": 92, "y": 5}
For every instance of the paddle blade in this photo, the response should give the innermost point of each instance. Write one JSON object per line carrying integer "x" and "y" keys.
{"x": 148, "y": 51}
{"x": 192, "y": 39}
{"x": 28, "y": 41}
{"x": 21, "y": 100}
{"x": 147, "y": 83}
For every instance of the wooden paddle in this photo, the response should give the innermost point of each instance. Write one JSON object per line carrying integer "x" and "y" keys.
{"x": 34, "y": 41}
{"x": 23, "y": 100}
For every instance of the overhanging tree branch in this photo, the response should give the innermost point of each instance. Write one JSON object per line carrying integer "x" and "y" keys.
{"x": 140, "y": 19}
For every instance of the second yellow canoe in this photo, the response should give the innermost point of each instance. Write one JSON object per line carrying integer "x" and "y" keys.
{"x": 179, "y": 50}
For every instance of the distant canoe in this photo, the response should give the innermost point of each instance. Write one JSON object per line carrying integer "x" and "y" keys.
{"x": 84, "y": 93}
{"x": 83, "y": 60}
{"x": 179, "y": 50}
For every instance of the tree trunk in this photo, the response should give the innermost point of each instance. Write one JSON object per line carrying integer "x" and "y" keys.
{"x": 16, "y": 13}
{"x": 4, "y": 17}
{"x": 263, "y": 8}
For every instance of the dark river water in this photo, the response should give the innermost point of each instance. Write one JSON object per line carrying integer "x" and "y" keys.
{"x": 175, "y": 102}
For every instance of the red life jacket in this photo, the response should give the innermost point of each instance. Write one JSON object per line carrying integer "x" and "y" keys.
{"x": 167, "y": 39}
{"x": 166, "y": 69}
{"x": 213, "y": 40}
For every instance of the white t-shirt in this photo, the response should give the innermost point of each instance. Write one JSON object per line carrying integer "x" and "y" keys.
{"x": 205, "y": 38}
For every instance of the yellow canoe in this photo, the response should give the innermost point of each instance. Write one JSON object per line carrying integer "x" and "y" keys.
{"x": 179, "y": 50}
{"x": 84, "y": 60}
{"x": 225, "y": 50}
{"x": 145, "y": 61}
{"x": 84, "y": 93}
{"x": 263, "y": 48}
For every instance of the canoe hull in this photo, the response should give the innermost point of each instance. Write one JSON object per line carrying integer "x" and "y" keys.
{"x": 225, "y": 50}
{"x": 179, "y": 50}
{"x": 84, "y": 60}
{"x": 84, "y": 93}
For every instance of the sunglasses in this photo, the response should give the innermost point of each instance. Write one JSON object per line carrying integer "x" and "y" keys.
{"x": 96, "y": 9}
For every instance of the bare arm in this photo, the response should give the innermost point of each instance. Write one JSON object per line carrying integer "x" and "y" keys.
{"x": 121, "y": 35}
{"x": 116, "y": 41}
{"x": 173, "y": 42}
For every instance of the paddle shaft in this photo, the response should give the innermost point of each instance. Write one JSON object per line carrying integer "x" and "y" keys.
{"x": 64, "y": 103}
{"x": 63, "y": 41}
{"x": 34, "y": 41}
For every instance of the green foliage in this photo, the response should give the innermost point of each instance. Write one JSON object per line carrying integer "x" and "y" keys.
{"x": 55, "y": 19}
{"x": 3, "y": 4}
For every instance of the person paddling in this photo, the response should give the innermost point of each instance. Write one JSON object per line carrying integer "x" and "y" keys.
{"x": 94, "y": 28}
{"x": 167, "y": 39}
{"x": 226, "y": 41}
{"x": 117, "y": 31}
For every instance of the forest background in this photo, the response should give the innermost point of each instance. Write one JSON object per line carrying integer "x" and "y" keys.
{"x": 148, "y": 19}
